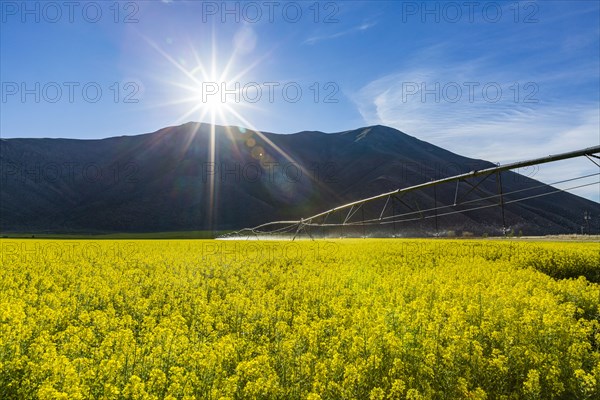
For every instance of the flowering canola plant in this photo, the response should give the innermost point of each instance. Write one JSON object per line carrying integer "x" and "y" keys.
{"x": 344, "y": 319}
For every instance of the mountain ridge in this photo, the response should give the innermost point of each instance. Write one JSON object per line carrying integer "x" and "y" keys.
{"x": 160, "y": 181}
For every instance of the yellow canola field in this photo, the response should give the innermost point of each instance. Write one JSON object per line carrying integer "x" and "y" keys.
{"x": 344, "y": 319}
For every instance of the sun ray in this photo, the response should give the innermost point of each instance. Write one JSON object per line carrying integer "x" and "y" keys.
{"x": 253, "y": 65}
{"x": 192, "y": 111}
{"x": 289, "y": 158}
{"x": 172, "y": 61}
{"x": 219, "y": 107}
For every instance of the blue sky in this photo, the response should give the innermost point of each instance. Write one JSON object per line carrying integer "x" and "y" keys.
{"x": 495, "y": 80}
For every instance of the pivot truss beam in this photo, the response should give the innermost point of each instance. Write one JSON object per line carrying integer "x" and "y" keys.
{"x": 304, "y": 224}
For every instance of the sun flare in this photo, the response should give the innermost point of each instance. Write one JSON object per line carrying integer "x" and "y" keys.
{"x": 215, "y": 92}
{"x": 209, "y": 90}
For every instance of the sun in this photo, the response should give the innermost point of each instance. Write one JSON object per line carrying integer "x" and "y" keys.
{"x": 212, "y": 103}
{"x": 216, "y": 98}
{"x": 216, "y": 92}
{"x": 209, "y": 97}
{"x": 205, "y": 88}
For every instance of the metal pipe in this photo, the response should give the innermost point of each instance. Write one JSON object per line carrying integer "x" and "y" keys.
{"x": 589, "y": 151}
{"x": 472, "y": 174}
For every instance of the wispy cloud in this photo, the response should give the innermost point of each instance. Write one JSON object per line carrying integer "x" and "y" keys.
{"x": 484, "y": 111}
{"x": 362, "y": 27}
{"x": 452, "y": 109}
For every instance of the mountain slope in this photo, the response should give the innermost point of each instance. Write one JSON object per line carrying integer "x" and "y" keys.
{"x": 161, "y": 181}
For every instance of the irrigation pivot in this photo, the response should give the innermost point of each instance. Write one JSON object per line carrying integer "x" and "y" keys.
{"x": 295, "y": 228}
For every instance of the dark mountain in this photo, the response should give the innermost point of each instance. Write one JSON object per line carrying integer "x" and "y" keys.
{"x": 161, "y": 181}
